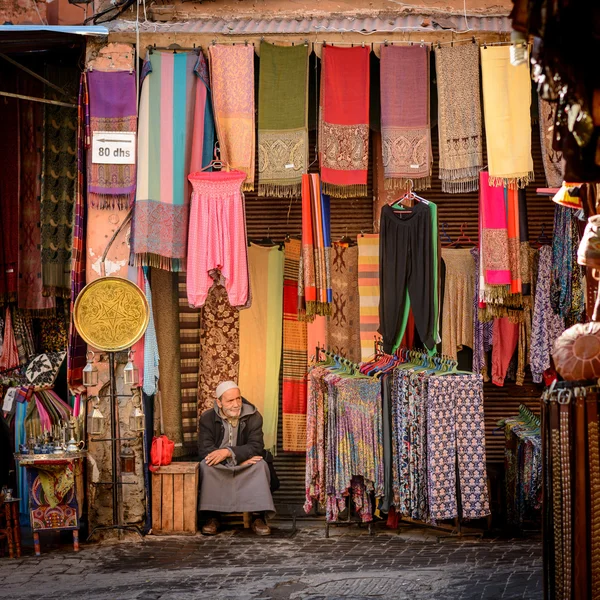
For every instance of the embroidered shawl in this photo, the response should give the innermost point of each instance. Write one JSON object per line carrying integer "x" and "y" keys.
{"x": 405, "y": 127}
{"x": 344, "y": 121}
{"x": 232, "y": 79}
{"x": 459, "y": 117}
{"x": 166, "y": 137}
{"x": 506, "y": 107}
{"x": 282, "y": 120}
{"x": 112, "y": 105}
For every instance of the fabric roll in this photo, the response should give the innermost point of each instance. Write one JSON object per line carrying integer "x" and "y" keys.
{"x": 30, "y": 286}
{"x": 166, "y": 142}
{"x": 293, "y": 401}
{"x": 344, "y": 121}
{"x": 343, "y": 329}
{"x": 506, "y": 108}
{"x": 405, "y": 126}
{"x": 219, "y": 346}
{"x": 59, "y": 178}
{"x": 165, "y": 304}
{"x": 232, "y": 78}
{"x": 282, "y": 120}
{"x": 112, "y": 105}
{"x": 368, "y": 292}
{"x": 261, "y": 338}
{"x": 459, "y": 117}
{"x": 459, "y": 289}
{"x": 554, "y": 164}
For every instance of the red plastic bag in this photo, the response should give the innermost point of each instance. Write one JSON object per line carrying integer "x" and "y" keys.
{"x": 161, "y": 453}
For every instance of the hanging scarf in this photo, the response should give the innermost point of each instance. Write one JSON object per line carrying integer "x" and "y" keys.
{"x": 112, "y": 105}
{"x": 314, "y": 281}
{"x": 506, "y": 104}
{"x": 168, "y": 111}
{"x": 459, "y": 117}
{"x": 282, "y": 120}
{"x": 514, "y": 247}
{"x": 59, "y": 172}
{"x": 344, "y": 121}
{"x": 30, "y": 259}
{"x": 232, "y": 78}
{"x": 405, "y": 127}
{"x": 151, "y": 355}
{"x": 554, "y": 165}
{"x": 10, "y": 353}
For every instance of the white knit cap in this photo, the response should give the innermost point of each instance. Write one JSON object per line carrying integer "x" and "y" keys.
{"x": 224, "y": 387}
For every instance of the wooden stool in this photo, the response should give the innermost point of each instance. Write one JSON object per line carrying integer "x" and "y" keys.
{"x": 10, "y": 527}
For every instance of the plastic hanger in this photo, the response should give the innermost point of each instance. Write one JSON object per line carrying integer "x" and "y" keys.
{"x": 462, "y": 238}
{"x": 543, "y": 239}
{"x": 448, "y": 241}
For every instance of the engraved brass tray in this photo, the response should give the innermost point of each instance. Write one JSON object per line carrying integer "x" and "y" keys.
{"x": 111, "y": 314}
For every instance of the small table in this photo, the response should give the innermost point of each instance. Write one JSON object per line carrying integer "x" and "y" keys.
{"x": 10, "y": 508}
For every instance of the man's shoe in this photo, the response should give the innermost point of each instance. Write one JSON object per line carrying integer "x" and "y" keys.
{"x": 260, "y": 527}
{"x": 211, "y": 527}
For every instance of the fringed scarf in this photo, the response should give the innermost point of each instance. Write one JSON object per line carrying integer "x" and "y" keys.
{"x": 282, "y": 120}
{"x": 344, "y": 121}
{"x": 459, "y": 117}
{"x": 112, "y": 105}
{"x": 59, "y": 172}
{"x": 314, "y": 281}
{"x": 30, "y": 258}
{"x": 166, "y": 140}
{"x": 405, "y": 127}
{"x": 554, "y": 165}
{"x": 232, "y": 79}
{"x": 506, "y": 107}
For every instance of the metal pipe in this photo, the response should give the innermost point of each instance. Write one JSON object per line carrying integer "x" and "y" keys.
{"x": 33, "y": 99}
{"x": 114, "y": 436}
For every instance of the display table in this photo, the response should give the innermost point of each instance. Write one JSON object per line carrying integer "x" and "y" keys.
{"x": 9, "y": 511}
{"x": 55, "y": 493}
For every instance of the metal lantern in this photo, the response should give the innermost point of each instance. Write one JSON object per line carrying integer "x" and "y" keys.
{"x": 131, "y": 374}
{"x": 127, "y": 459}
{"x": 137, "y": 419}
{"x": 95, "y": 419}
{"x": 90, "y": 371}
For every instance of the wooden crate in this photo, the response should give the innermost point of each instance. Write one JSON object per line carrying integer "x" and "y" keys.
{"x": 175, "y": 498}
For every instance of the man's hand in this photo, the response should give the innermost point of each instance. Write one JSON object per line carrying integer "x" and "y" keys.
{"x": 217, "y": 456}
{"x": 251, "y": 461}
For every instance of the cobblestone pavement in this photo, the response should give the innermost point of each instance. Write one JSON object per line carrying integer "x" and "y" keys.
{"x": 410, "y": 565}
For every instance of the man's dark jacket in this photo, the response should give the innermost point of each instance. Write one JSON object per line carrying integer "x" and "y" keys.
{"x": 250, "y": 441}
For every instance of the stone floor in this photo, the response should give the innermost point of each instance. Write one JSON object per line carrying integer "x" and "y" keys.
{"x": 302, "y": 565}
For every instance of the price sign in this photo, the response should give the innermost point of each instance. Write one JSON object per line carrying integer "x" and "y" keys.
{"x": 113, "y": 148}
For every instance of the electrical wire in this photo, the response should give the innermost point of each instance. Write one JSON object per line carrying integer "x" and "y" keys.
{"x": 117, "y": 8}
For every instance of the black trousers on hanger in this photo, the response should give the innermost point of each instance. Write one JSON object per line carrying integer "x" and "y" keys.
{"x": 406, "y": 264}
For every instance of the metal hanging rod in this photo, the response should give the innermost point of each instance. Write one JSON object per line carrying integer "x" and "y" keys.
{"x": 173, "y": 48}
{"x": 33, "y": 99}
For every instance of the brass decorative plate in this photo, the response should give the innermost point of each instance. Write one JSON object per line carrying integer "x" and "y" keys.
{"x": 111, "y": 314}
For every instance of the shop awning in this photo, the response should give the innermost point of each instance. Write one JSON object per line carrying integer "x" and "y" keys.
{"x": 22, "y": 38}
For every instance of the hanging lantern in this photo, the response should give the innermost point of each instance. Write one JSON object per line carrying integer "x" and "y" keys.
{"x": 90, "y": 371}
{"x": 127, "y": 459}
{"x": 95, "y": 419}
{"x": 137, "y": 419}
{"x": 131, "y": 375}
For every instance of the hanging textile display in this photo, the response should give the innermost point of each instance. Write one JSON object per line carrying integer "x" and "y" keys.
{"x": 165, "y": 306}
{"x": 217, "y": 237}
{"x": 165, "y": 141}
{"x": 506, "y": 108}
{"x": 344, "y": 121}
{"x": 405, "y": 126}
{"x": 30, "y": 285}
{"x": 232, "y": 79}
{"x": 9, "y": 199}
{"x": 368, "y": 292}
{"x": 219, "y": 346}
{"x": 314, "y": 279}
{"x": 459, "y": 117}
{"x": 9, "y": 357}
{"x": 459, "y": 290}
{"x": 282, "y": 120}
{"x": 293, "y": 401}
{"x": 112, "y": 106}
{"x": 77, "y": 348}
{"x": 506, "y": 337}
{"x": 261, "y": 338}
{"x": 554, "y": 164}
{"x": 343, "y": 327}
{"x": 59, "y": 179}
{"x": 23, "y": 329}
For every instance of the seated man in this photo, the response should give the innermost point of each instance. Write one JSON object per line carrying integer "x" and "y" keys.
{"x": 234, "y": 477}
